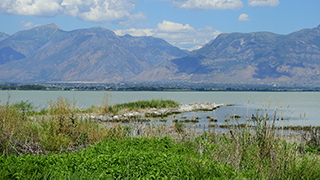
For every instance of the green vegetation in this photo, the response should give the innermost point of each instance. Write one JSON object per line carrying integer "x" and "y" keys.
{"x": 105, "y": 108}
{"x": 22, "y": 87}
{"x": 4, "y": 87}
{"x": 61, "y": 145}
{"x": 130, "y": 159}
{"x": 32, "y": 87}
{"x": 154, "y": 87}
{"x": 154, "y": 103}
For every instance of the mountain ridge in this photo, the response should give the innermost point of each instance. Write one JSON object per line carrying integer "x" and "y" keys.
{"x": 3, "y": 36}
{"x": 93, "y": 54}
{"x": 249, "y": 58}
{"x": 48, "y": 53}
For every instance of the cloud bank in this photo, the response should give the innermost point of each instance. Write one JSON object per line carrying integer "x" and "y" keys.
{"x": 88, "y": 10}
{"x": 182, "y": 36}
{"x": 206, "y": 4}
{"x": 271, "y": 3}
{"x": 112, "y": 10}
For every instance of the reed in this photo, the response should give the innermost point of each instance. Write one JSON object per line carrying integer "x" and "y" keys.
{"x": 59, "y": 129}
{"x": 257, "y": 149}
{"x": 252, "y": 150}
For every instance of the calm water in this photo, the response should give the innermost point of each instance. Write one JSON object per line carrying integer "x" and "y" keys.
{"x": 291, "y": 105}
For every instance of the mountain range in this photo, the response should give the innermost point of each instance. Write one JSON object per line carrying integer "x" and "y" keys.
{"x": 47, "y": 53}
{"x": 248, "y": 58}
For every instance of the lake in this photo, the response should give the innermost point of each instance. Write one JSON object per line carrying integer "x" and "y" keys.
{"x": 301, "y": 108}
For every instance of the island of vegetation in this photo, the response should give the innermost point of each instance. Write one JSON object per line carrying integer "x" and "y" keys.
{"x": 62, "y": 142}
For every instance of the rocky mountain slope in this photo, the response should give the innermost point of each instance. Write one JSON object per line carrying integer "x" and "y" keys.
{"x": 47, "y": 53}
{"x": 254, "y": 58}
{"x": 3, "y": 36}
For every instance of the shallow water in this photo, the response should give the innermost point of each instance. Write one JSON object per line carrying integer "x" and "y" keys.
{"x": 289, "y": 105}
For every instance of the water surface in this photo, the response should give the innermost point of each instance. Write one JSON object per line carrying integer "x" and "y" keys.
{"x": 290, "y": 105}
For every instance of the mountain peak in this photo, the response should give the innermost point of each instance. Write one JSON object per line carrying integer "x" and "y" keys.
{"x": 99, "y": 28}
{"x": 50, "y": 25}
{"x": 318, "y": 26}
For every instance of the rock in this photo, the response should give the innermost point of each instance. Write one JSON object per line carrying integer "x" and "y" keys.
{"x": 116, "y": 118}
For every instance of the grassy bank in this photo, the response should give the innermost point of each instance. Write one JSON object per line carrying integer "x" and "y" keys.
{"x": 55, "y": 143}
{"x": 59, "y": 127}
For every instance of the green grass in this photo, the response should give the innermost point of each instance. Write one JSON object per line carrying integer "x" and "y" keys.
{"x": 106, "y": 108}
{"x": 133, "y": 158}
{"x": 153, "y": 103}
{"x": 61, "y": 145}
{"x": 130, "y": 158}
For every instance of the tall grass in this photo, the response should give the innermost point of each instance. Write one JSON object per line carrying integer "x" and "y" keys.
{"x": 254, "y": 150}
{"x": 258, "y": 151}
{"x": 60, "y": 128}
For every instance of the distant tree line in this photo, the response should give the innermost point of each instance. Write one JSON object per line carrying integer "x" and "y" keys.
{"x": 32, "y": 87}
{"x": 23, "y": 87}
{"x": 141, "y": 88}
{"x": 4, "y": 87}
{"x": 151, "y": 87}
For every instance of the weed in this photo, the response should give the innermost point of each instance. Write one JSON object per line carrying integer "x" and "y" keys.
{"x": 311, "y": 137}
{"x": 86, "y": 149}
{"x": 179, "y": 127}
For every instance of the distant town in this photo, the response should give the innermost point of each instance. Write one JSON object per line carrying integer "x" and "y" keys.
{"x": 152, "y": 87}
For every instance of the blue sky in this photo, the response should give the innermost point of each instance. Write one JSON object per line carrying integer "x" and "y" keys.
{"x": 188, "y": 24}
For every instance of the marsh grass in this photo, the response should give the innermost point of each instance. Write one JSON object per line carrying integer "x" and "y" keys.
{"x": 56, "y": 131}
{"x": 142, "y": 104}
{"x": 257, "y": 149}
{"x": 106, "y": 108}
{"x": 253, "y": 150}
{"x": 61, "y": 126}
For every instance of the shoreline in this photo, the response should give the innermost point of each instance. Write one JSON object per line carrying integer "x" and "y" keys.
{"x": 142, "y": 115}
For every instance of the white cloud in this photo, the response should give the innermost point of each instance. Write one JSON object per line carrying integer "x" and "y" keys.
{"x": 88, "y": 10}
{"x": 243, "y": 17}
{"x": 182, "y": 36}
{"x": 207, "y": 4}
{"x": 263, "y": 3}
{"x": 27, "y": 25}
{"x": 31, "y": 7}
{"x": 135, "y": 32}
{"x": 168, "y": 26}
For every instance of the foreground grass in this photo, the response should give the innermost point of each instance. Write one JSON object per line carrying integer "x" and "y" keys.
{"x": 60, "y": 145}
{"x": 129, "y": 158}
{"x": 155, "y": 158}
